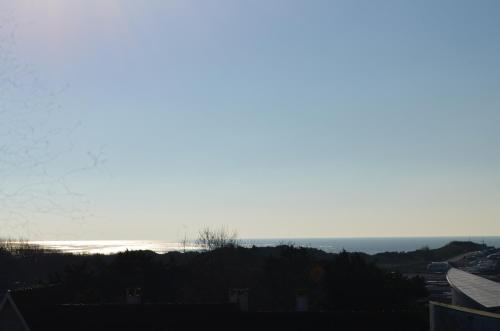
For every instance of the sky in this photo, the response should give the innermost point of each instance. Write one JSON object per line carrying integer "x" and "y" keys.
{"x": 273, "y": 118}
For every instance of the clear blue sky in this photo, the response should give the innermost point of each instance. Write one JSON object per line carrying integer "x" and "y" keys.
{"x": 274, "y": 118}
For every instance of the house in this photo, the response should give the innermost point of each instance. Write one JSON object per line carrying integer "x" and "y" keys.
{"x": 475, "y": 304}
{"x": 36, "y": 316}
{"x": 33, "y": 315}
{"x": 472, "y": 291}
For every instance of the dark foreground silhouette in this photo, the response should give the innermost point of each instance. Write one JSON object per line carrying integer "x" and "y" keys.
{"x": 189, "y": 290}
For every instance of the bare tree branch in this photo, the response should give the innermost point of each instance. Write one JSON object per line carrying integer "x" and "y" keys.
{"x": 211, "y": 239}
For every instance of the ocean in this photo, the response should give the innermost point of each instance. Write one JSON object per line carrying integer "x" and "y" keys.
{"x": 331, "y": 245}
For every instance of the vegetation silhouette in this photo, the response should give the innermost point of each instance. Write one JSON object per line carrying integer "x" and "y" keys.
{"x": 210, "y": 239}
{"x": 273, "y": 275}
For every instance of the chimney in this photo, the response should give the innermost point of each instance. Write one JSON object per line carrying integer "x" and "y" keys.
{"x": 133, "y": 295}
{"x": 239, "y": 296}
{"x": 301, "y": 301}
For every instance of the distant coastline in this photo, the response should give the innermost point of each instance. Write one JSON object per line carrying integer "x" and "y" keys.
{"x": 329, "y": 245}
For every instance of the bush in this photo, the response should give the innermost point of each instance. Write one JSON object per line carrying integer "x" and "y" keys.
{"x": 211, "y": 239}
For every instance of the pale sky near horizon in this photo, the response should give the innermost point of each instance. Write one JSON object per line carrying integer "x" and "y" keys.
{"x": 273, "y": 118}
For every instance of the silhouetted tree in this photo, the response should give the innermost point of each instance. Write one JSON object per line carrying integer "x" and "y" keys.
{"x": 210, "y": 239}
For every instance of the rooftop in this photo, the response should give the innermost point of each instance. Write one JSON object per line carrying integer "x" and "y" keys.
{"x": 483, "y": 291}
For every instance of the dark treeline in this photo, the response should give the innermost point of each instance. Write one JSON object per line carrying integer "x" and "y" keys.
{"x": 273, "y": 275}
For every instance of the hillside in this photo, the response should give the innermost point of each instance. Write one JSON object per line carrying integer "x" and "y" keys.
{"x": 417, "y": 260}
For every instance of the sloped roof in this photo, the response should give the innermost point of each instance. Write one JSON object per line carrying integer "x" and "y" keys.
{"x": 10, "y": 317}
{"x": 483, "y": 291}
